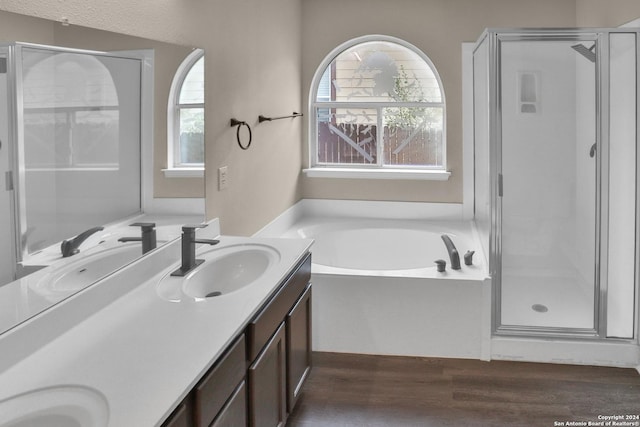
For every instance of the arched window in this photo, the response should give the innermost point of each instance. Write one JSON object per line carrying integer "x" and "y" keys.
{"x": 71, "y": 111}
{"x": 377, "y": 103}
{"x": 185, "y": 119}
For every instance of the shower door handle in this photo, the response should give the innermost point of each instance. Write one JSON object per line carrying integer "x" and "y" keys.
{"x": 592, "y": 150}
{"x": 8, "y": 181}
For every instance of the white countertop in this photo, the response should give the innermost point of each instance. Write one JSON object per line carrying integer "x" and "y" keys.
{"x": 142, "y": 352}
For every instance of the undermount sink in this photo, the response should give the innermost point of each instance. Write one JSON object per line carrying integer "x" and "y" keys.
{"x": 76, "y": 275}
{"x": 62, "y": 406}
{"x": 225, "y": 270}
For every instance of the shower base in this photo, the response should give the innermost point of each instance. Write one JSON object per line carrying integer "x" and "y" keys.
{"x": 544, "y": 301}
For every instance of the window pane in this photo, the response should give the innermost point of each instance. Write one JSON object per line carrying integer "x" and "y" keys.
{"x": 47, "y": 138}
{"x": 192, "y": 91}
{"x": 96, "y": 136}
{"x": 76, "y": 138}
{"x": 66, "y": 80}
{"x": 71, "y": 113}
{"x": 324, "y": 88}
{"x": 381, "y": 72}
{"x": 191, "y": 135}
{"x": 413, "y": 136}
{"x": 347, "y": 137}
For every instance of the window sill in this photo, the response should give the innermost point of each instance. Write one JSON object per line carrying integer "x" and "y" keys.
{"x": 183, "y": 173}
{"x": 353, "y": 173}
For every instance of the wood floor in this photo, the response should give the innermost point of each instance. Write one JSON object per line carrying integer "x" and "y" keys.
{"x": 349, "y": 390}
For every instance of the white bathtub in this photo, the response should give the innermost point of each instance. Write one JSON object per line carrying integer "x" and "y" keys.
{"x": 388, "y": 247}
{"x": 376, "y": 289}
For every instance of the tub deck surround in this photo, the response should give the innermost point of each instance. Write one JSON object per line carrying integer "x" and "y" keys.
{"x": 362, "y": 209}
{"x": 376, "y": 286}
{"x": 27, "y": 296}
{"x": 142, "y": 352}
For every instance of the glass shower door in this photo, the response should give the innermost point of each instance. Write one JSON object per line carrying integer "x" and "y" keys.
{"x": 547, "y": 181}
{"x": 79, "y": 142}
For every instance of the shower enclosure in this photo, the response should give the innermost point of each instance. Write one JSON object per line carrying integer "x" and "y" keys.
{"x": 70, "y": 141}
{"x": 556, "y": 195}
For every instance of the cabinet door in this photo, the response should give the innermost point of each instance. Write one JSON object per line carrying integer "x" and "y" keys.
{"x": 261, "y": 328}
{"x": 298, "y": 347}
{"x": 234, "y": 414}
{"x": 267, "y": 387}
{"x": 180, "y": 418}
{"x": 213, "y": 391}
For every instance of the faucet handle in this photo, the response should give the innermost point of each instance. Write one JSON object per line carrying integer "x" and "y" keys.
{"x": 146, "y": 226}
{"x": 441, "y": 265}
{"x": 192, "y": 227}
{"x": 468, "y": 258}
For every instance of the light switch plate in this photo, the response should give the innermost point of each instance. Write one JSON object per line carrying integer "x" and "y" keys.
{"x": 222, "y": 178}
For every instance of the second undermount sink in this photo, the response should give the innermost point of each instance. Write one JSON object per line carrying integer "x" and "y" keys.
{"x": 78, "y": 274}
{"x": 225, "y": 270}
{"x": 62, "y": 406}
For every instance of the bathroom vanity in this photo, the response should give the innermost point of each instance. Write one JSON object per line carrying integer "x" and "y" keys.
{"x": 258, "y": 379}
{"x": 143, "y": 348}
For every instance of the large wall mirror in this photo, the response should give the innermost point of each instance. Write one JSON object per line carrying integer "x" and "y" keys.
{"x": 81, "y": 111}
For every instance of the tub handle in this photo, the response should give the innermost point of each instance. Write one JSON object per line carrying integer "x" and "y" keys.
{"x": 441, "y": 265}
{"x": 468, "y": 258}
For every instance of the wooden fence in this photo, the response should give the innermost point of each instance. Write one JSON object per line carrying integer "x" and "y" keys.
{"x": 357, "y": 144}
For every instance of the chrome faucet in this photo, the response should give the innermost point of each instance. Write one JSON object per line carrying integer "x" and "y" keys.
{"x": 147, "y": 237}
{"x": 453, "y": 252}
{"x": 70, "y": 246}
{"x": 189, "y": 261}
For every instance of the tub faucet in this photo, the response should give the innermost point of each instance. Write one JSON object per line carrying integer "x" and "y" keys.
{"x": 70, "y": 246}
{"x": 147, "y": 237}
{"x": 189, "y": 261}
{"x": 453, "y": 252}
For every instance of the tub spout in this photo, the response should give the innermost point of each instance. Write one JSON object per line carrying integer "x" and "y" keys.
{"x": 453, "y": 252}
{"x": 70, "y": 246}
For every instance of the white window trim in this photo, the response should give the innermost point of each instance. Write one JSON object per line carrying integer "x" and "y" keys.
{"x": 376, "y": 173}
{"x": 316, "y": 170}
{"x": 173, "y": 126}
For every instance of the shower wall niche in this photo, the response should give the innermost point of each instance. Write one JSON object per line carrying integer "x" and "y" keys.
{"x": 555, "y": 144}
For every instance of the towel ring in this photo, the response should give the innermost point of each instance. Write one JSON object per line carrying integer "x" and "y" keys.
{"x": 239, "y": 124}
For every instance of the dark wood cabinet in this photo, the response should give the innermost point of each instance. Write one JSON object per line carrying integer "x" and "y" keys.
{"x": 217, "y": 386}
{"x": 279, "y": 349}
{"x": 262, "y": 327}
{"x": 298, "y": 326}
{"x": 234, "y": 414}
{"x": 179, "y": 417}
{"x": 267, "y": 384}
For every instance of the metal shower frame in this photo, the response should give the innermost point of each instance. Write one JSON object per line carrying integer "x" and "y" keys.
{"x": 601, "y": 37}
{"x": 16, "y": 118}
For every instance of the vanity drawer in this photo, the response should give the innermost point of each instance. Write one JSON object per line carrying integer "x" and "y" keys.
{"x": 219, "y": 384}
{"x": 179, "y": 418}
{"x": 265, "y": 324}
{"x": 234, "y": 413}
